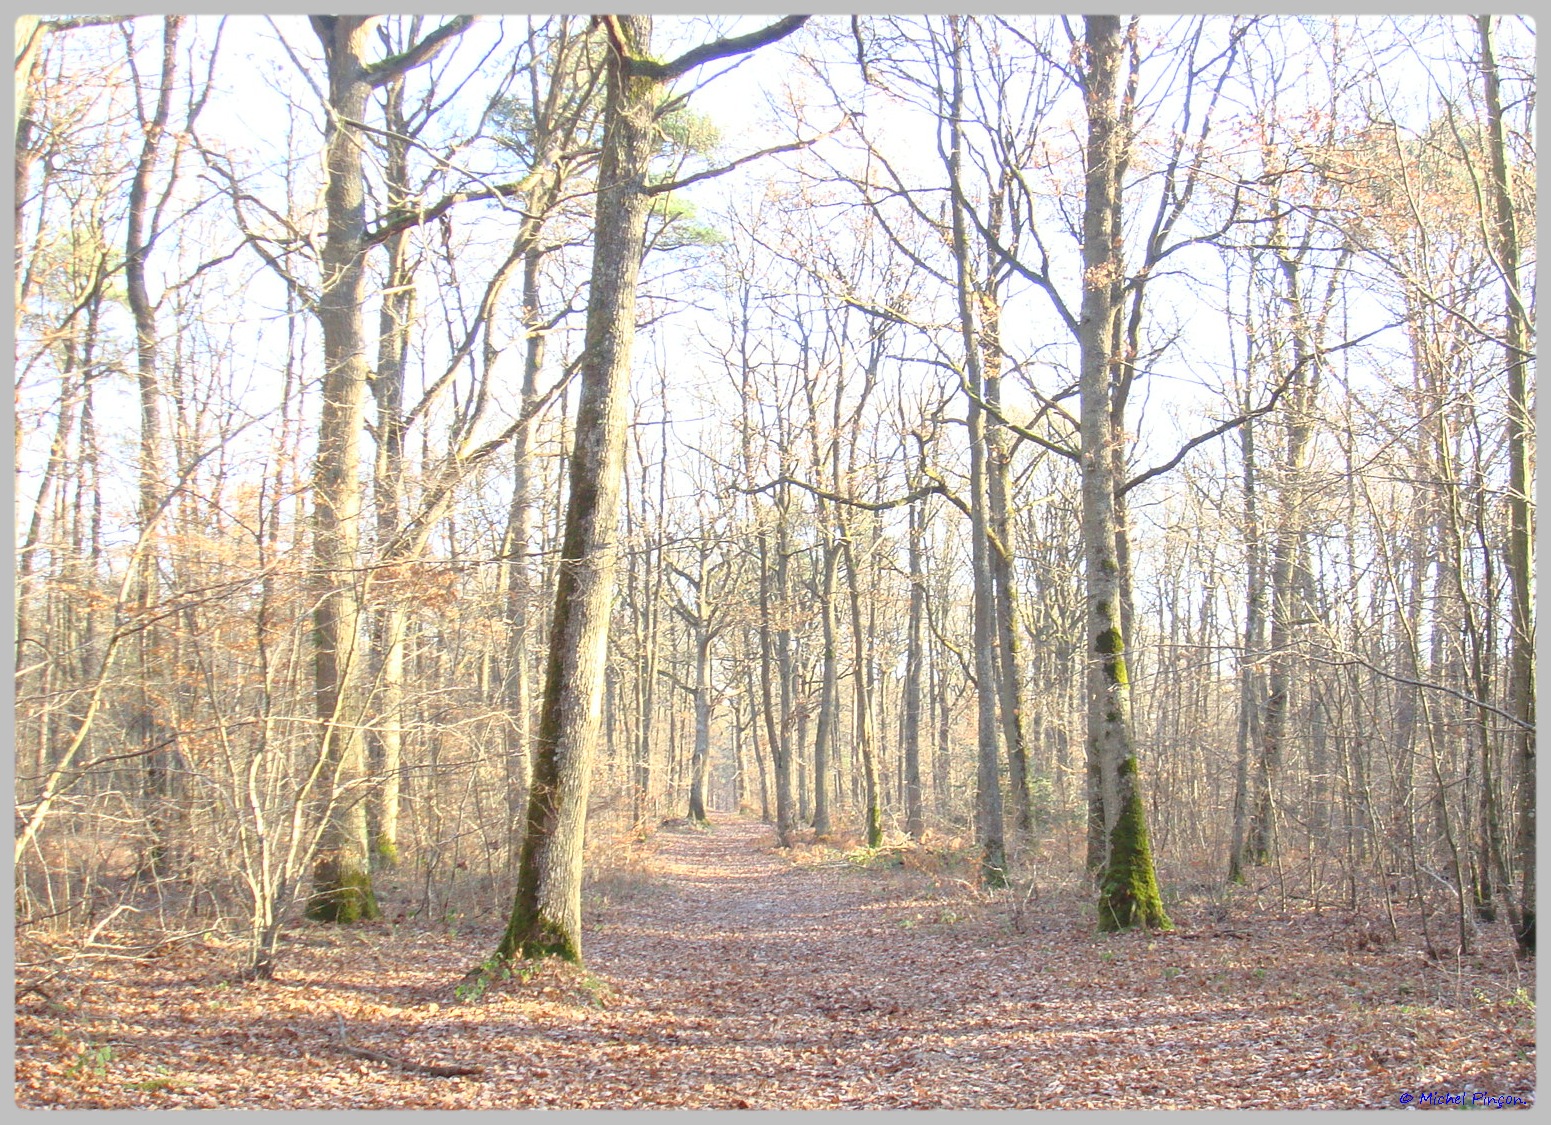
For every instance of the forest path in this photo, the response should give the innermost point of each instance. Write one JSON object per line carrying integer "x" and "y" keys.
{"x": 723, "y": 973}
{"x": 776, "y": 985}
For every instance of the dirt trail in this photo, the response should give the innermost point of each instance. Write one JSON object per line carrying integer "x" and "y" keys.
{"x": 777, "y": 986}
{"x": 728, "y": 976}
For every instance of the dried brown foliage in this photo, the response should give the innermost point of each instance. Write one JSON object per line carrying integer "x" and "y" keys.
{"x": 723, "y": 974}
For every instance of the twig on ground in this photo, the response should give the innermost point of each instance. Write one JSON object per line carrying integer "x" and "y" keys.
{"x": 432, "y": 1069}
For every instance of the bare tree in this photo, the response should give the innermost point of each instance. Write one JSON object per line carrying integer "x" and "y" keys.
{"x": 1128, "y": 887}
{"x": 546, "y": 916}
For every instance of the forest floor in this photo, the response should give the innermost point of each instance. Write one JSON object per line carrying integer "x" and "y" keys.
{"x": 722, "y": 973}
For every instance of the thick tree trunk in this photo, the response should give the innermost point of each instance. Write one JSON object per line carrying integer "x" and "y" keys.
{"x": 546, "y": 913}
{"x": 1128, "y": 888}
{"x": 342, "y": 887}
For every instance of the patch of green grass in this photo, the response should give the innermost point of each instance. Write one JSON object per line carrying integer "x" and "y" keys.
{"x": 163, "y": 1082}
{"x": 91, "y": 1060}
{"x": 477, "y": 983}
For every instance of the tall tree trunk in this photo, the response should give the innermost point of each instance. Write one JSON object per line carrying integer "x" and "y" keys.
{"x": 1128, "y": 887}
{"x": 988, "y": 791}
{"x": 342, "y": 886}
{"x": 519, "y": 578}
{"x": 1286, "y": 550}
{"x": 150, "y": 644}
{"x": 700, "y": 763}
{"x": 1521, "y": 650}
{"x": 824, "y": 734}
{"x": 915, "y": 655}
{"x": 387, "y": 386}
{"x": 1254, "y": 638}
{"x": 546, "y": 913}
{"x": 999, "y": 523}
{"x": 781, "y": 753}
{"x": 862, "y": 685}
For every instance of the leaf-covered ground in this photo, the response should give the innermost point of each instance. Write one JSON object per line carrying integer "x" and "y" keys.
{"x": 723, "y": 974}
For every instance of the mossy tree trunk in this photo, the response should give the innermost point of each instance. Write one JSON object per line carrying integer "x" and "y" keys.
{"x": 1128, "y": 887}
{"x": 546, "y": 911}
{"x": 342, "y": 886}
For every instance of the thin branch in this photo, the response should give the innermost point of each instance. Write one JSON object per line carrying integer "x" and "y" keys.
{"x": 712, "y": 173}
{"x": 936, "y": 488}
{"x": 1233, "y": 423}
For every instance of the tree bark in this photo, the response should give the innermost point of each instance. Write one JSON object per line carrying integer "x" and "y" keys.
{"x": 150, "y": 721}
{"x": 546, "y": 913}
{"x": 988, "y": 792}
{"x": 342, "y": 886}
{"x": 1520, "y": 562}
{"x": 1128, "y": 888}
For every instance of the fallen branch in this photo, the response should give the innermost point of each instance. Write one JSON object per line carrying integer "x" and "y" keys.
{"x": 436, "y": 1071}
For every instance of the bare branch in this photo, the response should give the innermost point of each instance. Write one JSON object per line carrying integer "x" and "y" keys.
{"x": 708, "y": 52}
{"x": 383, "y": 71}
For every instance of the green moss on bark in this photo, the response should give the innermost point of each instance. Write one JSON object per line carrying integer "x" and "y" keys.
{"x": 533, "y": 938}
{"x": 993, "y": 865}
{"x": 1110, "y": 646}
{"x": 1128, "y": 894}
{"x": 344, "y": 894}
{"x": 386, "y": 851}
